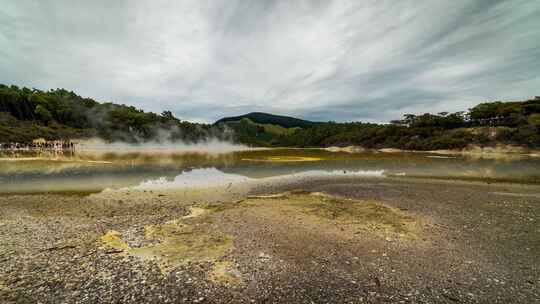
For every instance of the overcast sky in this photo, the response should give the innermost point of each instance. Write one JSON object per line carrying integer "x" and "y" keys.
{"x": 320, "y": 60}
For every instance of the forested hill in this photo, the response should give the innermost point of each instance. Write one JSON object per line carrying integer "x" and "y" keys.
{"x": 265, "y": 118}
{"x": 27, "y": 114}
{"x": 487, "y": 124}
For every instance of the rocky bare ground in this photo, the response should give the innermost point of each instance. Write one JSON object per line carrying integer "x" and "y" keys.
{"x": 336, "y": 240}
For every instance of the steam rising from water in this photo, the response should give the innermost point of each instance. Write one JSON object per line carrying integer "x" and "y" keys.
{"x": 209, "y": 146}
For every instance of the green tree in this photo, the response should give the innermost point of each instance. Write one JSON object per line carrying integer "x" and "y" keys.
{"x": 43, "y": 114}
{"x": 534, "y": 120}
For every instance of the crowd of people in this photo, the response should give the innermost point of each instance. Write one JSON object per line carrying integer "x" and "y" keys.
{"x": 40, "y": 145}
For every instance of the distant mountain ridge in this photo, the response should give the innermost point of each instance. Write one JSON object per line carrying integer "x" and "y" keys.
{"x": 265, "y": 118}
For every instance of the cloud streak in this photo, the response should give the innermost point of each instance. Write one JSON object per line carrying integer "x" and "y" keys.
{"x": 323, "y": 60}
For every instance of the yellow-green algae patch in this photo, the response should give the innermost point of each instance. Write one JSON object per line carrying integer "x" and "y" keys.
{"x": 3, "y": 286}
{"x": 370, "y": 214}
{"x": 268, "y": 196}
{"x": 175, "y": 242}
{"x": 225, "y": 273}
{"x": 284, "y": 159}
{"x": 113, "y": 239}
{"x": 366, "y": 214}
{"x": 195, "y": 212}
{"x": 180, "y": 243}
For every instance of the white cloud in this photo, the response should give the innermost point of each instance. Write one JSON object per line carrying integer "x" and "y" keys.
{"x": 327, "y": 60}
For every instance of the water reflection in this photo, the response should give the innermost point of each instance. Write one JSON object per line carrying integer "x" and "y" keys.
{"x": 195, "y": 178}
{"x": 95, "y": 172}
{"x": 205, "y": 177}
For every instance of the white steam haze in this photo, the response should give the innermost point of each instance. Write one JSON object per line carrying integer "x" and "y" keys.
{"x": 208, "y": 146}
{"x": 321, "y": 60}
{"x": 164, "y": 142}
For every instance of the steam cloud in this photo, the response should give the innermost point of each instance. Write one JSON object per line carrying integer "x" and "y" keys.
{"x": 209, "y": 146}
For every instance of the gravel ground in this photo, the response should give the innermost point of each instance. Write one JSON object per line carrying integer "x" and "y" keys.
{"x": 417, "y": 241}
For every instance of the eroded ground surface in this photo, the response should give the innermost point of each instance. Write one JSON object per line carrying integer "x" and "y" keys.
{"x": 332, "y": 240}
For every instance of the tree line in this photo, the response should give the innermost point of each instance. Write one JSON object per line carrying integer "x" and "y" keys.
{"x": 26, "y": 114}
{"x": 490, "y": 123}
